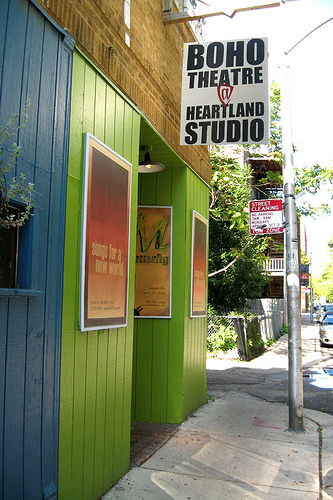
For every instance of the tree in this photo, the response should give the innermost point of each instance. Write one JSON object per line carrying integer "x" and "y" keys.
{"x": 308, "y": 179}
{"x": 235, "y": 257}
{"x": 323, "y": 285}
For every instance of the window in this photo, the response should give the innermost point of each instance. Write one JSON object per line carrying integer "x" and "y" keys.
{"x": 8, "y": 254}
{"x": 328, "y": 320}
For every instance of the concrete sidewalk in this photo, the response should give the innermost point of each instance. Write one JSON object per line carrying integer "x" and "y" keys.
{"x": 239, "y": 446}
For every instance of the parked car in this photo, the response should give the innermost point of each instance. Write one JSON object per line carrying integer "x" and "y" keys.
{"x": 326, "y": 330}
{"x": 322, "y": 310}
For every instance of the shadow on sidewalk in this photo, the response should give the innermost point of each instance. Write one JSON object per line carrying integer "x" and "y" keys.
{"x": 147, "y": 438}
{"x": 270, "y": 383}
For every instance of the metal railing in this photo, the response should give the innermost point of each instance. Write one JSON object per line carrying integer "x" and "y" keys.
{"x": 274, "y": 266}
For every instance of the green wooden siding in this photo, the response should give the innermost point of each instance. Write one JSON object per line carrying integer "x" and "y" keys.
{"x": 195, "y": 385}
{"x": 169, "y": 369}
{"x": 96, "y": 367}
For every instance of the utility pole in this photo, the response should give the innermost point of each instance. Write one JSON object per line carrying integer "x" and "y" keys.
{"x": 293, "y": 288}
{"x": 292, "y": 255}
{"x": 295, "y": 380}
{"x": 292, "y": 266}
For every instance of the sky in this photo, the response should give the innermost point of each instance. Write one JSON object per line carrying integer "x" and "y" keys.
{"x": 310, "y": 82}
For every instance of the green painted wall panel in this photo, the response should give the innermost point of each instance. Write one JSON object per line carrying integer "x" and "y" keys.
{"x": 176, "y": 329}
{"x": 160, "y": 361}
{"x": 100, "y": 412}
{"x": 147, "y": 192}
{"x": 164, "y": 187}
{"x": 158, "y": 356}
{"x": 143, "y": 379}
{"x": 78, "y": 410}
{"x": 169, "y": 370}
{"x": 110, "y": 106}
{"x": 108, "y": 468}
{"x": 195, "y": 341}
{"x": 96, "y": 373}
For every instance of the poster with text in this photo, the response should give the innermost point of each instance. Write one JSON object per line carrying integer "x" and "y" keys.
{"x": 199, "y": 265}
{"x": 225, "y": 93}
{"x": 105, "y": 238}
{"x": 153, "y": 262}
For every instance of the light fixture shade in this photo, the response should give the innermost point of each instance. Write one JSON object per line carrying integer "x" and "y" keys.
{"x": 148, "y": 166}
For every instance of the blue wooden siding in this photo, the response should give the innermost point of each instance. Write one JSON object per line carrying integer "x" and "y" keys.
{"x": 35, "y": 65}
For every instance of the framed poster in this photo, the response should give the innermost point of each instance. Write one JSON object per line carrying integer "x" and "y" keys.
{"x": 199, "y": 266}
{"x": 153, "y": 262}
{"x": 105, "y": 237}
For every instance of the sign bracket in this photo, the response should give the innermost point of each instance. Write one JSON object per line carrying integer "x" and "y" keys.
{"x": 184, "y": 17}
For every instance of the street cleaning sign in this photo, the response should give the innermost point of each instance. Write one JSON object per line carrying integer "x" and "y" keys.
{"x": 266, "y": 217}
{"x": 225, "y": 93}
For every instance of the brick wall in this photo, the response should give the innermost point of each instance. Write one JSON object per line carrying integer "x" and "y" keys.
{"x": 148, "y": 71}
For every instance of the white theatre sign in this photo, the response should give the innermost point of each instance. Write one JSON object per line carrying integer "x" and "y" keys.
{"x": 225, "y": 93}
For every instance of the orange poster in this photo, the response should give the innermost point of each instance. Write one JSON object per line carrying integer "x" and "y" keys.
{"x": 105, "y": 236}
{"x": 153, "y": 262}
{"x": 199, "y": 265}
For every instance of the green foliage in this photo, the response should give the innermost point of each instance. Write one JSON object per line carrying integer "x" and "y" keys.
{"x": 229, "y": 238}
{"x": 323, "y": 285}
{"x": 275, "y": 140}
{"x": 230, "y": 189}
{"x": 255, "y": 343}
{"x": 17, "y": 187}
{"x": 231, "y": 250}
{"x": 283, "y": 331}
{"x": 308, "y": 179}
{"x": 326, "y": 282}
{"x": 222, "y": 335}
{"x": 305, "y": 259}
{"x": 274, "y": 148}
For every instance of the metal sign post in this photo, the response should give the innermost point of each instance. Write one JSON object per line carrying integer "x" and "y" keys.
{"x": 292, "y": 254}
{"x": 292, "y": 266}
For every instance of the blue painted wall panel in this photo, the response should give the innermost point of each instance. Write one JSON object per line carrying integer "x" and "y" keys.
{"x": 14, "y": 399}
{"x": 35, "y": 64}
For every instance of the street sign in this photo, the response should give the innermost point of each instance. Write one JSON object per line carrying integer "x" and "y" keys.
{"x": 266, "y": 217}
{"x": 304, "y": 275}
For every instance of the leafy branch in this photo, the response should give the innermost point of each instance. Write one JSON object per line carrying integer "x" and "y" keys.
{"x": 239, "y": 255}
{"x": 17, "y": 187}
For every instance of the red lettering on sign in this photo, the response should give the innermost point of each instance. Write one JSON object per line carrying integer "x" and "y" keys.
{"x": 224, "y": 92}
